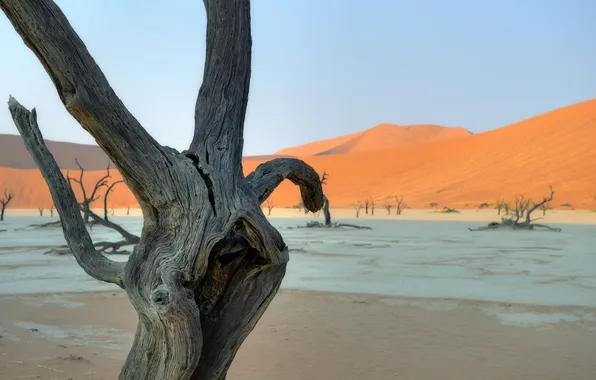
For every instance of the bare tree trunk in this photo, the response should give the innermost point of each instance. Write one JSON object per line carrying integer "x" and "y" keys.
{"x": 326, "y": 212}
{"x": 208, "y": 262}
{"x": 2, "y": 209}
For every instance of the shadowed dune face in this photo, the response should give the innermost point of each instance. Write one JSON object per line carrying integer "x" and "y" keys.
{"x": 555, "y": 148}
{"x": 382, "y": 136}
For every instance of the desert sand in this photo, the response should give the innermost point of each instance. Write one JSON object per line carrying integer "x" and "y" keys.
{"x": 303, "y": 336}
{"x": 555, "y": 148}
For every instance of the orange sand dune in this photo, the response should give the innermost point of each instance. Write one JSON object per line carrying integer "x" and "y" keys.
{"x": 558, "y": 148}
{"x": 382, "y": 136}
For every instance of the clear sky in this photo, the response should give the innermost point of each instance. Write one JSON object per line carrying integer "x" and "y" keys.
{"x": 323, "y": 68}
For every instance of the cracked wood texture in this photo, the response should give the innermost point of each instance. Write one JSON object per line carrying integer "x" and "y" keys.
{"x": 208, "y": 263}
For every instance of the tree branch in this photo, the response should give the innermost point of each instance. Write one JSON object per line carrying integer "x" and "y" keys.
{"x": 269, "y": 175}
{"x": 221, "y": 104}
{"x": 87, "y": 94}
{"x": 75, "y": 233}
{"x": 537, "y": 205}
{"x": 105, "y": 198}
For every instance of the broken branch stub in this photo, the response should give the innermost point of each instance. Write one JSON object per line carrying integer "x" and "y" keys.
{"x": 208, "y": 262}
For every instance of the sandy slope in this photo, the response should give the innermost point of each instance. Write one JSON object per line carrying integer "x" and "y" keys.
{"x": 382, "y": 136}
{"x": 557, "y": 148}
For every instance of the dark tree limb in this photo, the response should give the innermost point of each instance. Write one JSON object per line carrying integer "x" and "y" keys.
{"x": 269, "y": 175}
{"x": 75, "y": 233}
{"x": 87, "y": 94}
{"x": 88, "y": 199}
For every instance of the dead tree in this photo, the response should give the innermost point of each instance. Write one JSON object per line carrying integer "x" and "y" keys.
{"x": 522, "y": 216}
{"x": 388, "y": 208}
{"x": 40, "y": 210}
{"x": 358, "y": 207}
{"x": 51, "y": 211}
{"x": 127, "y": 210}
{"x": 326, "y": 211}
{"x": 400, "y": 205}
{"x": 500, "y": 205}
{"x": 4, "y": 203}
{"x": 270, "y": 205}
{"x": 366, "y": 204}
{"x": 88, "y": 198}
{"x": 208, "y": 262}
{"x": 372, "y": 207}
{"x": 106, "y": 195}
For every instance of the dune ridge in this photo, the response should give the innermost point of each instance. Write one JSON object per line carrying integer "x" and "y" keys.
{"x": 381, "y": 136}
{"x": 555, "y": 148}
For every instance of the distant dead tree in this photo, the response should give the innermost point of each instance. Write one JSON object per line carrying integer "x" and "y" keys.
{"x": 326, "y": 211}
{"x": 106, "y": 195}
{"x": 52, "y": 211}
{"x": 270, "y": 205}
{"x": 358, "y": 207}
{"x": 521, "y": 215}
{"x": 366, "y": 204}
{"x": 388, "y": 208}
{"x": 88, "y": 198}
{"x": 400, "y": 206}
{"x": 372, "y": 207}
{"x": 40, "y": 209}
{"x": 92, "y": 218}
{"x": 127, "y": 210}
{"x": 4, "y": 203}
{"x": 485, "y": 205}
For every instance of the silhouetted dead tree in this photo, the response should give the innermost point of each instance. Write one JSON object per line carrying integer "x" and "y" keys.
{"x": 485, "y": 205}
{"x": 209, "y": 262}
{"x": 127, "y": 210}
{"x": 357, "y": 208}
{"x": 388, "y": 208}
{"x": 51, "y": 211}
{"x": 270, "y": 205}
{"x": 88, "y": 198}
{"x": 4, "y": 202}
{"x": 500, "y": 205}
{"x": 372, "y": 207}
{"x": 105, "y": 198}
{"x": 400, "y": 206}
{"x": 366, "y": 204}
{"x": 523, "y": 210}
{"x": 40, "y": 210}
{"x": 326, "y": 212}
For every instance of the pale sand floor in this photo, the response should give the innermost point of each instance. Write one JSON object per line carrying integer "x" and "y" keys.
{"x": 307, "y": 335}
{"x": 465, "y": 215}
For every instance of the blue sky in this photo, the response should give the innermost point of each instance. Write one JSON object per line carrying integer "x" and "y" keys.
{"x": 323, "y": 68}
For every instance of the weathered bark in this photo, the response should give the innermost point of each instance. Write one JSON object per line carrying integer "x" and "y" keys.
{"x": 4, "y": 202}
{"x": 208, "y": 262}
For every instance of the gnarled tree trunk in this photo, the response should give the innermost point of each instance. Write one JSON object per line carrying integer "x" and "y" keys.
{"x": 208, "y": 263}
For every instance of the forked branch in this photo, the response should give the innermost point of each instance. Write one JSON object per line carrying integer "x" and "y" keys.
{"x": 88, "y": 96}
{"x": 269, "y": 175}
{"x": 75, "y": 233}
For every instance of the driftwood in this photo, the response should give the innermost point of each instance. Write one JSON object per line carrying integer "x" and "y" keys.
{"x": 523, "y": 209}
{"x": 315, "y": 224}
{"x": 4, "y": 202}
{"x": 208, "y": 262}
